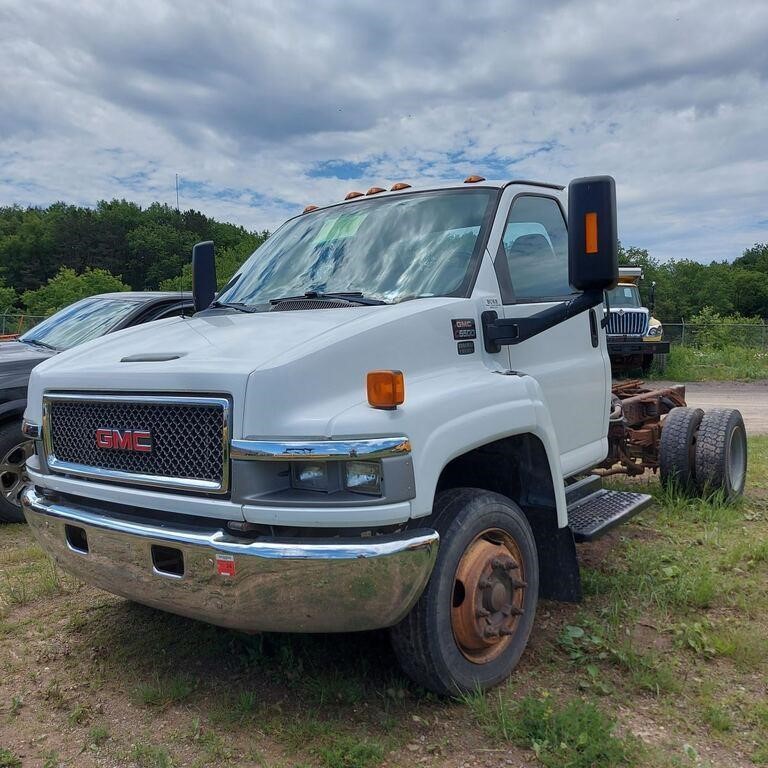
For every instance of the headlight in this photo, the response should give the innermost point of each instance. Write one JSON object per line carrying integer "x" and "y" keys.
{"x": 363, "y": 477}
{"x": 310, "y": 475}
{"x": 655, "y": 330}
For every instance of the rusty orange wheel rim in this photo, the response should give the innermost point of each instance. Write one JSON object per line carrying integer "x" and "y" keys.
{"x": 488, "y": 596}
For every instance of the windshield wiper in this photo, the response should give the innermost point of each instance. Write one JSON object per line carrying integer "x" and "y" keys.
{"x": 353, "y": 297}
{"x": 240, "y": 306}
{"x": 38, "y": 343}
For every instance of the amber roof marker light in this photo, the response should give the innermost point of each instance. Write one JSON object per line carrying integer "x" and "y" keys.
{"x": 375, "y": 190}
{"x": 473, "y": 179}
{"x": 351, "y": 195}
{"x": 400, "y": 185}
{"x": 310, "y": 208}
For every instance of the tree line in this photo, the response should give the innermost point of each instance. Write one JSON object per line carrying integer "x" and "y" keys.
{"x": 685, "y": 288}
{"x": 52, "y": 256}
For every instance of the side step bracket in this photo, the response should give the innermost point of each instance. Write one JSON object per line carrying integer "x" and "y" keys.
{"x": 596, "y": 513}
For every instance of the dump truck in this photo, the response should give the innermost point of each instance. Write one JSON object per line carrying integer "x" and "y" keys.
{"x": 634, "y": 335}
{"x": 395, "y": 415}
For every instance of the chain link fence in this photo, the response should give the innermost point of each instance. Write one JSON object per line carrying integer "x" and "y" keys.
{"x": 717, "y": 334}
{"x": 14, "y": 323}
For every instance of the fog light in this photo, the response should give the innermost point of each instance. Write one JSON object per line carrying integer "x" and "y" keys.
{"x": 363, "y": 477}
{"x": 310, "y": 476}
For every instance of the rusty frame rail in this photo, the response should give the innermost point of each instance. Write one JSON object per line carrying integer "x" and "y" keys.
{"x": 634, "y": 433}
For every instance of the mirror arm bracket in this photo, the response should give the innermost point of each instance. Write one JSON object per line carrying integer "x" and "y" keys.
{"x": 498, "y": 332}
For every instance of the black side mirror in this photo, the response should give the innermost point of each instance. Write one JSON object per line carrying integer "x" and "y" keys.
{"x": 593, "y": 242}
{"x": 203, "y": 275}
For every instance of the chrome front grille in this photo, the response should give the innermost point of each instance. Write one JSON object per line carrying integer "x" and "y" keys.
{"x": 187, "y": 447}
{"x": 627, "y": 323}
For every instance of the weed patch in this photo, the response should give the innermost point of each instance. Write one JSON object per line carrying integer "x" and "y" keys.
{"x": 164, "y": 692}
{"x": 8, "y": 759}
{"x": 575, "y": 734}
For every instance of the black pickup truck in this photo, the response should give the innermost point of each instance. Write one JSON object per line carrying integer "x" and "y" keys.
{"x": 80, "y": 322}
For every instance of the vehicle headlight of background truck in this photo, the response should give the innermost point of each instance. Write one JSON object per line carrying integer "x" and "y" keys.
{"x": 655, "y": 330}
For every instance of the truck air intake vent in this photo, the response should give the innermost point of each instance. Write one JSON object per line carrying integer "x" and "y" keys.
{"x": 311, "y": 304}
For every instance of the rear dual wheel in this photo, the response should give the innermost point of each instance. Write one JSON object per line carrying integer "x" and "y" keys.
{"x": 703, "y": 452}
{"x": 472, "y": 623}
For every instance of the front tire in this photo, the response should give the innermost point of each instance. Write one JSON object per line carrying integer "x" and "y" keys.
{"x": 15, "y": 449}
{"x": 472, "y": 622}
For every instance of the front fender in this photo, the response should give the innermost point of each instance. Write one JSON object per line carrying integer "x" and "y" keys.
{"x": 447, "y": 414}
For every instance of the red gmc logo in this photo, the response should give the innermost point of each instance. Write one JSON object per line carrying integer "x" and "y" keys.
{"x": 127, "y": 440}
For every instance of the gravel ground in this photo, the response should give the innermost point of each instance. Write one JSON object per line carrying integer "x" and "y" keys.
{"x": 750, "y": 397}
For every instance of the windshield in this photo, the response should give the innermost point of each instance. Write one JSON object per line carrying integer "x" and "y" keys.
{"x": 624, "y": 295}
{"x": 79, "y": 322}
{"x": 389, "y": 249}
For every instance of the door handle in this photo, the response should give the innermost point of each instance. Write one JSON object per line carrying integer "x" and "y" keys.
{"x": 593, "y": 328}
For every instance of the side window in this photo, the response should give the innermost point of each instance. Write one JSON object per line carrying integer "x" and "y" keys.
{"x": 185, "y": 310}
{"x": 536, "y": 246}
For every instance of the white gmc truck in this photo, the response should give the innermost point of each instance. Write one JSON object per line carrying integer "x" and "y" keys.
{"x": 391, "y": 417}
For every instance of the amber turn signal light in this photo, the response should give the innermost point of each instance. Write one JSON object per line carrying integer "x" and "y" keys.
{"x": 386, "y": 389}
{"x": 350, "y": 195}
{"x": 310, "y": 208}
{"x": 473, "y": 179}
{"x": 590, "y": 229}
{"x": 375, "y": 190}
{"x": 400, "y": 185}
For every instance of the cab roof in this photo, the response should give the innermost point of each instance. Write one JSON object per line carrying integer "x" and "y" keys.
{"x": 380, "y": 192}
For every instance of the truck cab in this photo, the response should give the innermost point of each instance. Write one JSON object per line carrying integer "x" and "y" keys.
{"x": 386, "y": 419}
{"x": 635, "y": 337}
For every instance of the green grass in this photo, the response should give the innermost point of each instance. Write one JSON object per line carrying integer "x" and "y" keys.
{"x": 350, "y": 752}
{"x": 8, "y": 759}
{"x": 575, "y": 734}
{"x": 710, "y": 364}
{"x": 150, "y": 756}
{"x": 98, "y": 735}
{"x": 670, "y": 640}
{"x": 163, "y": 692}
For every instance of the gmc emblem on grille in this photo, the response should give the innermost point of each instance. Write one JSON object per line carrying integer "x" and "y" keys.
{"x": 125, "y": 440}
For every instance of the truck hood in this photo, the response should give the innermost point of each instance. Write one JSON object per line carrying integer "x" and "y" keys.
{"x": 218, "y": 352}
{"x": 240, "y": 342}
{"x": 18, "y": 356}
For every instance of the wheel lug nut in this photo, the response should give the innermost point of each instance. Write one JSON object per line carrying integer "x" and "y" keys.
{"x": 482, "y": 613}
{"x": 517, "y": 584}
{"x": 512, "y": 610}
{"x": 484, "y": 583}
{"x": 491, "y": 633}
{"x": 506, "y": 631}
{"x": 510, "y": 565}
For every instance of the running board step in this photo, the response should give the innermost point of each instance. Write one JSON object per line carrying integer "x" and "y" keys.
{"x": 594, "y": 515}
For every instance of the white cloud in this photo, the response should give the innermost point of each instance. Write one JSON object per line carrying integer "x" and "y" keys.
{"x": 246, "y": 100}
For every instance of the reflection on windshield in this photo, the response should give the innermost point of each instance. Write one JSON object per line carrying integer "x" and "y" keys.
{"x": 80, "y": 322}
{"x": 624, "y": 296}
{"x": 389, "y": 249}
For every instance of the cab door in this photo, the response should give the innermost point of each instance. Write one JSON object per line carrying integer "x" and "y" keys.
{"x": 569, "y": 361}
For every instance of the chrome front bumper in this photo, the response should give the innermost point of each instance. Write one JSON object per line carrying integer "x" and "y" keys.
{"x": 254, "y": 585}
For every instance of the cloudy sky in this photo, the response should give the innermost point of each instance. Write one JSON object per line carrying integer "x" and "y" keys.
{"x": 263, "y": 107}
